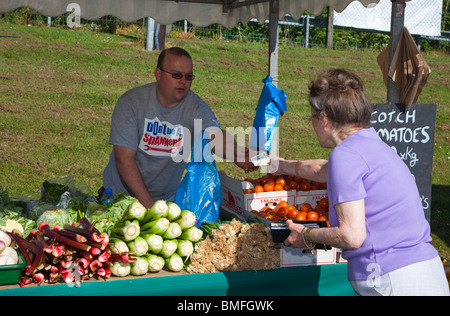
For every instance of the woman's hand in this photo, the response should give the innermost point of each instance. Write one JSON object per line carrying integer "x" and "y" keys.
{"x": 274, "y": 166}
{"x": 295, "y": 238}
{"x": 349, "y": 234}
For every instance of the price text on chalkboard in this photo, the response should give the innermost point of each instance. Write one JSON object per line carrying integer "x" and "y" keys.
{"x": 411, "y": 135}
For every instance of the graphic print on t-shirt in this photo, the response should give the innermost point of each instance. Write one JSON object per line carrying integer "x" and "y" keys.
{"x": 161, "y": 138}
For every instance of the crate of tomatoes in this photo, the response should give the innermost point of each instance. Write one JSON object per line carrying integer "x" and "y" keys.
{"x": 311, "y": 200}
{"x": 241, "y": 197}
{"x": 275, "y": 198}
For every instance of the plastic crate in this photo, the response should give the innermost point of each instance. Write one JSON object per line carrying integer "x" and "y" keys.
{"x": 10, "y": 274}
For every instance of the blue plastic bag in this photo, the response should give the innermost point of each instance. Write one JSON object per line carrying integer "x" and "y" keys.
{"x": 200, "y": 190}
{"x": 271, "y": 104}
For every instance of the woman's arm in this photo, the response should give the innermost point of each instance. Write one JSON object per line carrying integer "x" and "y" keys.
{"x": 349, "y": 234}
{"x": 314, "y": 169}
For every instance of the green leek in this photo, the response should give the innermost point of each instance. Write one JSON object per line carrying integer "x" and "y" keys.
{"x": 174, "y": 263}
{"x": 139, "y": 246}
{"x": 158, "y": 226}
{"x": 120, "y": 268}
{"x": 185, "y": 248}
{"x": 187, "y": 219}
{"x": 193, "y": 234}
{"x": 155, "y": 262}
{"x": 174, "y": 211}
{"x": 136, "y": 211}
{"x": 154, "y": 241}
{"x": 173, "y": 232}
{"x": 129, "y": 230}
{"x": 139, "y": 267}
{"x": 169, "y": 247}
{"x": 159, "y": 209}
{"x": 117, "y": 245}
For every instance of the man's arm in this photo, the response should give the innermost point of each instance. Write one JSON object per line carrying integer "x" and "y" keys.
{"x": 131, "y": 176}
{"x": 224, "y": 146}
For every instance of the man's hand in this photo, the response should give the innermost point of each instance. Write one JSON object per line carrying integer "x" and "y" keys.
{"x": 131, "y": 176}
{"x": 224, "y": 146}
{"x": 243, "y": 159}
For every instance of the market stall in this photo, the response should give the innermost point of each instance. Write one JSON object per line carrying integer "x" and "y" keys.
{"x": 330, "y": 280}
{"x": 231, "y": 256}
{"x": 302, "y": 274}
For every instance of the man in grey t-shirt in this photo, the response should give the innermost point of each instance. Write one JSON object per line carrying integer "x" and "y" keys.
{"x": 152, "y": 132}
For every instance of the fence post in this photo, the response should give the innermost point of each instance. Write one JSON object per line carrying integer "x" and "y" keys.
{"x": 150, "y": 39}
{"x": 306, "y": 30}
{"x": 330, "y": 27}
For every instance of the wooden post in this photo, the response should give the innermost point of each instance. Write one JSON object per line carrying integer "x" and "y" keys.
{"x": 397, "y": 24}
{"x": 330, "y": 27}
{"x": 273, "y": 40}
{"x": 273, "y": 63}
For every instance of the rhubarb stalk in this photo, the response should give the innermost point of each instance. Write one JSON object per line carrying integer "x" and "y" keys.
{"x": 72, "y": 235}
{"x": 58, "y": 237}
{"x": 37, "y": 260}
{"x": 23, "y": 249}
{"x": 84, "y": 232}
{"x": 125, "y": 257}
{"x": 88, "y": 225}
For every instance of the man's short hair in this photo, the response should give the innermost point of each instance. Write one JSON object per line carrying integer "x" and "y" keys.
{"x": 177, "y": 51}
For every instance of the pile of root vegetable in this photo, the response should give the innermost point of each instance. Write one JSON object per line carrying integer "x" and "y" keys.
{"x": 235, "y": 246}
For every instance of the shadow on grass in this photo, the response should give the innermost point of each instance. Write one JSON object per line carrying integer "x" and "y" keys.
{"x": 440, "y": 214}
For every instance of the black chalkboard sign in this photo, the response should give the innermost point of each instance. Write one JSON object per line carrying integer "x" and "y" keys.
{"x": 410, "y": 133}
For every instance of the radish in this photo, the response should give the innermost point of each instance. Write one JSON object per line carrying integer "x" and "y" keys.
{"x": 5, "y": 238}
{"x": 6, "y": 260}
{"x": 10, "y": 252}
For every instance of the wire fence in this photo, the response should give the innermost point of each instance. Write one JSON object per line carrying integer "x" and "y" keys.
{"x": 309, "y": 31}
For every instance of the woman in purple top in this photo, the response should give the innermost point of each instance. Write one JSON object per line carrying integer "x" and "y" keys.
{"x": 375, "y": 214}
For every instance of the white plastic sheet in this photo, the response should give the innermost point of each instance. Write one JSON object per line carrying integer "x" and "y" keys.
{"x": 422, "y": 17}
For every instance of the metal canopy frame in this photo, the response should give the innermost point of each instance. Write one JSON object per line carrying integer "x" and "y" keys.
{"x": 273, "y": 10}
{"x": 397, "y": 24}
{"x": 227, "y": 4}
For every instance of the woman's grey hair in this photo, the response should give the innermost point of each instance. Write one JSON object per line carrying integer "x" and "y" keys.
{"x": 339, "y": 93}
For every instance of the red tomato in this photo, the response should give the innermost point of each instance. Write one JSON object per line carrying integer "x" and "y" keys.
{"x": 312, "y": 216}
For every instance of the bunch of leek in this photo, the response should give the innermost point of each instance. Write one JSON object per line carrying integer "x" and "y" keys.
{"x": 159, "y": 237}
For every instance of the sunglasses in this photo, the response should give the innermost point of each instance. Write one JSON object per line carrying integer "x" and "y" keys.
{"x": 179, "y": 75}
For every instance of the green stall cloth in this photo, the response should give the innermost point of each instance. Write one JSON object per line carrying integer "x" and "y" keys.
{"x": 325, "y": 280}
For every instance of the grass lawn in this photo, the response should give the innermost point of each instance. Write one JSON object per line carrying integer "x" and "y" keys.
{"x": 58, "y": 88}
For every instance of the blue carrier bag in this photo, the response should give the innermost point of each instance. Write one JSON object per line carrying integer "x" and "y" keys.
{"x": 271, "y": 104}
{"x": 200, "y": 190}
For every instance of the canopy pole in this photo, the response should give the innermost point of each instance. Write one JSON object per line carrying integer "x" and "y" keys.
{"x": 330, "y": 28}
{"x": 273, "y": 66}
{"x": 273, "y": 40}
{"x": 397, "y": 24}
